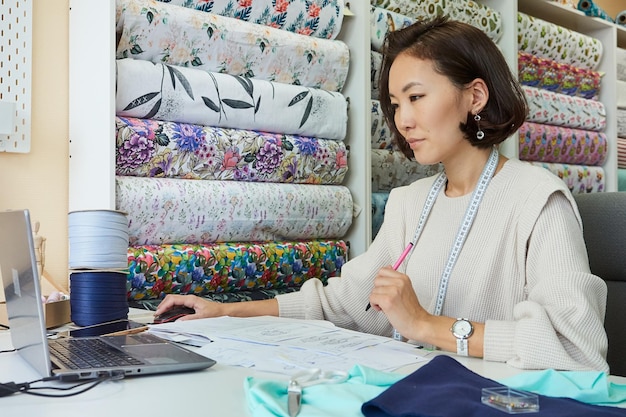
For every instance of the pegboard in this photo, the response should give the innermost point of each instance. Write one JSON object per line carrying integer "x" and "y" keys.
{"x": 15, "y": 70}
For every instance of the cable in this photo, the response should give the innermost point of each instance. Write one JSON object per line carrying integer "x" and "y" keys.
{"x": 10, "y": 388}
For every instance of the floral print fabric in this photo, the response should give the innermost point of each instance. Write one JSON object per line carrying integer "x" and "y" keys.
{"x": 188, "y": 95}
{"x": 548, "y": 40}
{"x": 376, "y": 64}
{"x": 163, "y": 33}
{"x": 170, "y": 211}
{"x": 379, "y": 201}
{"x": 580, "y": 179}
{"x": 562, "y": 110}
{"x": 468, "y": 11}
{"x": 392, "y": 169}
{"x": 382, "y": 22}
{"x": 382, "y": 138}
{"x": 558, "y": 77}
{"x": 318, "y": 18}
{"x": 228, "y": 267}
{"x": 546, "y": 143}
{"x": 152, "y": 148}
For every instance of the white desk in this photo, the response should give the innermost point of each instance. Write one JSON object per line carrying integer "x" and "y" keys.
{"x": 217, "y": 391}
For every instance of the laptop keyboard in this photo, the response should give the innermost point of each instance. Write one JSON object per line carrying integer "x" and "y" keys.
{"x": 89, "y": 353}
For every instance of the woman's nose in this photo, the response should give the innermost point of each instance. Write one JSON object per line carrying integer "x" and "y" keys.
{"x": 404, "y": 118}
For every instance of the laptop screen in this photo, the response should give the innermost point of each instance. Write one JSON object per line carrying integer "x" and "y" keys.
{"x": 20, "y": 280}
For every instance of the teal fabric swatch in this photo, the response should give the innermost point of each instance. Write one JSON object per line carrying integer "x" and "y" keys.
{"x": 588, "y": 387}
{"x": 269, "y": 397}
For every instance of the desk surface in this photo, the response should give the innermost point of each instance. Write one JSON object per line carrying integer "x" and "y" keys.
{"x": 218, "y": 389}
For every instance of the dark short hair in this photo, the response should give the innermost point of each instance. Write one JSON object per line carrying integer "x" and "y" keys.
{"x": 462, "y": 53}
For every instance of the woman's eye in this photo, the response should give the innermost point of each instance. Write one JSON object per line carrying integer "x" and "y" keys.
{"x": 415, "y": 97}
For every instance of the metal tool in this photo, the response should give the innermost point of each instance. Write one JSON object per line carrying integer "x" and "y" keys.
{"x": 308, "y": 378}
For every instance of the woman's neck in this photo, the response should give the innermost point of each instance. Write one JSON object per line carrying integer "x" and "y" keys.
{"x": 464, "y": 172}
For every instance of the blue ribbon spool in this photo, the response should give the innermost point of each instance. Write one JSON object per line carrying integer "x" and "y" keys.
{"x": 98, "y": 297}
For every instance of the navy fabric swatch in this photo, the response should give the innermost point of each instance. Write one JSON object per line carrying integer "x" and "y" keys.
{"x": 445, "y": 388}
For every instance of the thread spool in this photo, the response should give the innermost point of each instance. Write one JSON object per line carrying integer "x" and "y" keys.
{"x": 98, "y": 297}
{"x": 620, "y": 19}
{"x": 98, "y": 266}
{"x": 98, "y": 239}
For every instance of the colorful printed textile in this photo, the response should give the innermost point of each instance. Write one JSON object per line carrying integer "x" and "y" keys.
{"x": 151, "y": 148}
{"x": 392, "y": 169}
{"x": 229, "y": 267}
{"x": 621, "y": 123}
{"x": 379, "y": 201}
{"x": 620, "y": 59}
{"x": 382, "y": 138}
{"x": 188, "y": 95}
{"x": 580, "y": 179}
{"x": 558, "y": 77}
{"x": 376, "y": 64}
{"x": 382, "y": 22}
{"x": 318, "y": 18}
{"x": 468, "y": 11}
{"x": 163, "y": 33}
{"x": 562, "y": 110}
{"x": 621, "y": 153}
{"x": 169, "y": 211}
{"x": 546, "y": 143}
{"x": 548, "y": 40}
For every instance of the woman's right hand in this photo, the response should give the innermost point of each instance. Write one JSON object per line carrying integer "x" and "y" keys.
{"x": 203, "y": 308}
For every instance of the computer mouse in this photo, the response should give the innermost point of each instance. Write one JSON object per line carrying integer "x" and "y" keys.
{"x": 173, "y": 314}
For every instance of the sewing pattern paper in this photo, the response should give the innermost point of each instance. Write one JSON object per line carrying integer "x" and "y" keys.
{"x": 169, "y": 211}
{"x": 546, "y": 143}
{"x": 162, "y": 33}
{"x": 318, "y": 18}
{"x": 188, "y": 95}
{"x": 152, "y": 148}
{"x": 201, "y": 269}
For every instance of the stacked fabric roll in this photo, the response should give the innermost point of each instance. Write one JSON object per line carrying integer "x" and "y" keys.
{"x": 98, "y": 243}
{"x": 230, "y": 144}
{"x": 390, "y": 167}
{"x": 564, "y": 131}
{"x": 620, "y": 55}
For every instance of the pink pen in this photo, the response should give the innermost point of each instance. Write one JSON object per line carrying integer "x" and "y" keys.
{"x": 395, "y": 266}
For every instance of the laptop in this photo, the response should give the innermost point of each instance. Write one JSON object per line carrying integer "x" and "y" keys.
{"x": 141, "y": 353}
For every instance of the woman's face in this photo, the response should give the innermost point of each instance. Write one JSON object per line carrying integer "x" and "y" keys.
{"x": 428, "y": 109}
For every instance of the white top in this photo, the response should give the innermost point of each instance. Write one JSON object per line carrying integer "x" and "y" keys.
{"x": 523, "y": 271}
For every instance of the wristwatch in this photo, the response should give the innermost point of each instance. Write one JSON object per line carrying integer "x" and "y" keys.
{"x": 462, "y": 329}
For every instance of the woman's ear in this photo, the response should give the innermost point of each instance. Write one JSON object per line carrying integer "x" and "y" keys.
{"x": 480, "y": 95}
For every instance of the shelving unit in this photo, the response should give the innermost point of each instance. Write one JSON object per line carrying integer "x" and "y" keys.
{"x": 92, "y": 98}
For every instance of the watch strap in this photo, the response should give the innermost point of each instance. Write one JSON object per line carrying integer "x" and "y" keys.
{"x": 461, "y": 347}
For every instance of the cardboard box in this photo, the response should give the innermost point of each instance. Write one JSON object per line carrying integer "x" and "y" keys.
{"x": 56, "y": 313}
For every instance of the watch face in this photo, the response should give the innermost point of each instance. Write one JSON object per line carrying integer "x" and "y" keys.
{"x": 462, "y": 328}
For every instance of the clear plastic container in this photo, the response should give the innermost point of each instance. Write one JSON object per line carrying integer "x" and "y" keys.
{"x": 510, "y": 400}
